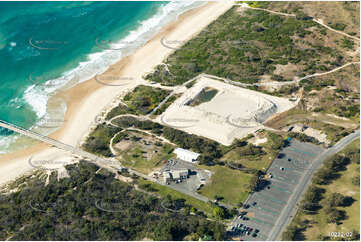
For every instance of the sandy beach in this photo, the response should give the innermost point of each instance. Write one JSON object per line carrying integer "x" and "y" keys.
{"x": 88, "y": 99}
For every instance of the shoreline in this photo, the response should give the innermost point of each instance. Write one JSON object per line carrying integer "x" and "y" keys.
{"x": 86, "y": 100}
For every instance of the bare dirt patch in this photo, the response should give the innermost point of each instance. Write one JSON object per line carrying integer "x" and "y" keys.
{"x": 233, "y": 112}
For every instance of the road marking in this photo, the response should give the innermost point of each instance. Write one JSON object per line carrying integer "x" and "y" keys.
{"x": 301, "y": 151}
{"x": 280, "y": 189}
{"x": 284, "y": 181}
{"x": 272, "y": 199}
{"x": 259, "y": 221}
{"x": 287, "y": 180}
{"x": 267, "y": 210}
{"x": 293, "y": 170}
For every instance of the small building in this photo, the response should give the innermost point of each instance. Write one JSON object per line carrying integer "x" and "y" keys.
{"x": 186, "y": 155}
{"x": 166, "y": 176}
{"x": 180, "y": 174}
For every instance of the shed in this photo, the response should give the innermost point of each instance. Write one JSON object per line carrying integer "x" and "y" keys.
{"x": 186, "y": 155}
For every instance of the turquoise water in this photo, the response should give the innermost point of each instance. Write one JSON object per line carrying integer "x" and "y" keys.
{"x": 44, "y": 45}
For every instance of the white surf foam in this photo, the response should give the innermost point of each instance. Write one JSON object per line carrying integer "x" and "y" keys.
{"x": 37, "y": 96}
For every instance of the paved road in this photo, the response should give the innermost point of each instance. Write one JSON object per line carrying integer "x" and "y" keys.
{"x": 291, "y": 208}
{"x": 111, "y": 165}
{"x": 276, "y": 203}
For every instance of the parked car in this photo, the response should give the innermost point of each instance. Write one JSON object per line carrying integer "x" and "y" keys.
{"x": 254, "y": 203}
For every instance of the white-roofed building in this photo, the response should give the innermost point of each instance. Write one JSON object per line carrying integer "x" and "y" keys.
{"x": 166, "y": 177}
{"x": 186, "y": 155}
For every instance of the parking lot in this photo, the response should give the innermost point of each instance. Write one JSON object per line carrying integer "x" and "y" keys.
{"x": 266, "y": 205}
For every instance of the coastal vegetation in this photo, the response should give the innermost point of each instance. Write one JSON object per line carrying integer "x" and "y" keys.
{"x": 348, "y": 21}
{"x": 91, "y": 205}
{"x": 332, "y": 203}
{"x": 98, "y": 140}
{"x": 165, "y": 105}
{"x": 144, "y": 99}
{"x": 141, "y": 151}
{"x": 246, "y": 45}
{"x": 334, "y": 127}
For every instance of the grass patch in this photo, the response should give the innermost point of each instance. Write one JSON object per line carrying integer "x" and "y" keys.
{"x": 141, "y": 163}
{"x": 227, "y": 183}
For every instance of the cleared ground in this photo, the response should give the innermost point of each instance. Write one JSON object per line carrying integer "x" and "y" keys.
{"x": 233, "y": 112}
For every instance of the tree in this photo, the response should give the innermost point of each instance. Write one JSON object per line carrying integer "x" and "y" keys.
{"x": 313, "y": 194}
{"x": 356, "y": 180}
{"x": 355, "y": 235}
{"x": 252, "y": 184}
{"x": 335, "y": 200}
{"x": 334, "y": 215}
{"x": 219, "y": 212}
{"x": 289, "y": 233}
{"x": 320, "y": 177}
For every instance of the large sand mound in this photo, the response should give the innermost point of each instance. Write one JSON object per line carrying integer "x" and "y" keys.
{"x": 232, "y": 113}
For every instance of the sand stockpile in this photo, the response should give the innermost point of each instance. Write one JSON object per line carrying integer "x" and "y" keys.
{"x": 227, "y": 113}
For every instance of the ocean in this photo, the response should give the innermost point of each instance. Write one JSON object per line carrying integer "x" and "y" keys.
{"x": 46, "y": 46}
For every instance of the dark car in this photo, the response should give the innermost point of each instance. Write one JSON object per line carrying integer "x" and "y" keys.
{"x": 246, "y": 206}
{"x": 254, "y": 235}
{"x": 254, "y": 203}
{"x": 256, "y": 230}
{"x": 289, "y": 159}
